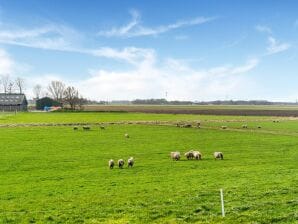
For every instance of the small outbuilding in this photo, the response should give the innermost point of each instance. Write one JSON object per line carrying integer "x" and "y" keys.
{"x": 13, "y": 102}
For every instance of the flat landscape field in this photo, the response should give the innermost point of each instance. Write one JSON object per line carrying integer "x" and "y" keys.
{"x": 54, "y": 174}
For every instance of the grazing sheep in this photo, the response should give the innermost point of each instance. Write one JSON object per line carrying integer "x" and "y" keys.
{"x": 75, "y": 128}
{"x": 224, "y": 127}
{"x": 218, "y": 155}
{"x": 189, "y": 155}
{"x": 111, "y": 164}
{"x": 120, "y": 163}
{"x": 186, "y": 126}
{"x": 175, "y": 155}
{"x": 126, "y": 135}
{"x": 102, "y": 127}
{"x": 197, "y": 155}
{"x": 130, "y": 162}
{"x": 244, "y": 126}
{"x": 86, "y": 128}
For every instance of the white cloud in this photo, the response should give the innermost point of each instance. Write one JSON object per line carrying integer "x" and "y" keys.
{"x": 135, "y": 29}
{"x": 276, "y": 47}
{"x": 182, "y": 82}
{"x": 6, "y": 63}
{"x": 263, "y": 29}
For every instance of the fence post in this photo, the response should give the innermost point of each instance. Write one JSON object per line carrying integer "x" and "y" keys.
{"x": 222, "y": 203}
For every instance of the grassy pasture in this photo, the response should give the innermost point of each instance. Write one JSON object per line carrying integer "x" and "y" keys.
{"x": 58, "y": 175}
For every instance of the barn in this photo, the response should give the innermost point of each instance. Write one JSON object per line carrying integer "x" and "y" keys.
{"x": 13, "y": 102}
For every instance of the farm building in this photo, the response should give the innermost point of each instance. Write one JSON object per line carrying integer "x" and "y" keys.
{"x": 13, "y": 102}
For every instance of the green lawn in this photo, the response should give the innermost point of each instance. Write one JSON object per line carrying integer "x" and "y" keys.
{"x": 58, "y": 175}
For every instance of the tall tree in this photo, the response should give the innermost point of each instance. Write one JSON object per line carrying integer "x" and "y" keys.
{"x": 37, "y": 91}
{"x": 5, "y": 80}
{"x": 19, "y": 82}
{"x": 71, "y": 96}
{"x": 56, "y": 90}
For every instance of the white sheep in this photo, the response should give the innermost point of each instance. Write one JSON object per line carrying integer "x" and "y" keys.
{"x": 130, "y": 162}
{"x": 218, "y": 155}
{"x": 120, "y": 163}
{"x": 244, "y": 126}
{"x": 111, "y": 164}
{"x": 197, "y": 155}
{"x": 189, "y": 154}
{"x": 224, "y": 127}
{"x": 126, "y": 135}
{"x": 175, "y": 155}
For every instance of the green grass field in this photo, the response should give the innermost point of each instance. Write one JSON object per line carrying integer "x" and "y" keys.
{"x": 58, "y": 175}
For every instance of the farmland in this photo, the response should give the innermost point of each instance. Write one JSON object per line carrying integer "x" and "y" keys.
{"x": 53, "y": 174}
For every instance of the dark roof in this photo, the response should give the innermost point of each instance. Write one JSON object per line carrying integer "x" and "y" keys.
{"x": 12, "y": 99}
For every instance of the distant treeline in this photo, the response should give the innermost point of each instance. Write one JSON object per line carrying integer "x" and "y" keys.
{"x": 216, "y": 102}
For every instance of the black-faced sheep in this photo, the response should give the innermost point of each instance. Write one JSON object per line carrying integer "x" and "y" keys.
{"x": 175, "y": 155}
{"x": 120, "y": 163}
{"x": 86, "y": 128}
{"x": 189, "y": 154}
{"x": 130, "y": 162}
{"x": 197, "y": 155}
{"x": 126, "y": 135}
{"x": 218, "y": 155}
{"x": 75, "y": 128}
{"x": 111, "y": 164}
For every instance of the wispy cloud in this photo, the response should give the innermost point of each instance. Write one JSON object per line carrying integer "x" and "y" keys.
{"x": 6, "y": 63}
{"x": 263, "y": 29}
{"x": 276, "y": 47}
{"x": 134, "y": 28}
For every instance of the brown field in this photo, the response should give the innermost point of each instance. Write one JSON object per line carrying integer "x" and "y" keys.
{"x": 286, "y": 111}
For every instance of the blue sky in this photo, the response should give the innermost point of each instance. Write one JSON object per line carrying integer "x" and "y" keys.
{"x": 193, "y": 50}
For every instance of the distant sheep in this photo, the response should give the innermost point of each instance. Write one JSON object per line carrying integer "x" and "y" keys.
{"x": 189, "y": 155}
{"x": 224, "y": 127}
{"x": 111, "y": 164}
{"x": 186, "y": 126}
{"x": 86, "y": 128}
{"x": 218, "y": 155}
{"x": 120, "y": 163}
{"x": 244, "y": 126}
{"x": 197, "y": 155}
{"x": 130, "y": 162}
{"x": 102, "y": 127}
{"x": 75, "y": 128}
{"x": 259, "y": 127}
{"x": 126, "y": 135}
{"x": 175, "y": 155}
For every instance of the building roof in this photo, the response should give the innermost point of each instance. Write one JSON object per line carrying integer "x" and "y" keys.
{"x": 12, "y": 99}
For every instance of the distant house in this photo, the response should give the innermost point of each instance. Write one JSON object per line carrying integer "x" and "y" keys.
{"x": 13, "y": 102}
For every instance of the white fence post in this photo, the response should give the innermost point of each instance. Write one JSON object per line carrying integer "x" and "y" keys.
{"x": 222, "y": 203}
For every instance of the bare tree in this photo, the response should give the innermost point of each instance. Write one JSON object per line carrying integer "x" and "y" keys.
{"x": 56, "y": 90}
{"x": 5, "y": 80}
{"x": 37, "y": 91}
{"x": 71, "y": 96}
{"x": 10, "y": 87}
{"x": 19, "y": 82}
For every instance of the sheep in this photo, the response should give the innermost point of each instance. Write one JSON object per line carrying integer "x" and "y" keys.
{"x": 186, "y": 126}
{"x": 120, "y": 163}
{"x": 175, "y": 155}
{"x": 218, "y": 155}
{"x": 224, "y": 127}
{"x": 75, "y": 128}
{"x": 130, "y": 162}
{"x": 111, "y": 164}
{"x": 259, "y": 127}
{"x": 244, "y": 126}
{"x": 86, "y": 128}
{"x": 126, "y": 135}
{"x": 102, "y": 127}
{"x": 197, "y": 155}
{"x": 189, "y": 155}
